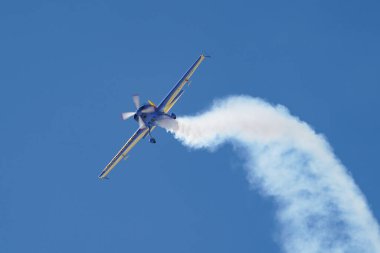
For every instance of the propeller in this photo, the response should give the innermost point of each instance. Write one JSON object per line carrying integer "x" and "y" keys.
{"x": 127, "y": 115}
{"x": 141, "y": 123}
{"x": 136, "y": 101}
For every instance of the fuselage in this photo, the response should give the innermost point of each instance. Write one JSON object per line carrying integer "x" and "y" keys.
{"x": 149, "y": 114}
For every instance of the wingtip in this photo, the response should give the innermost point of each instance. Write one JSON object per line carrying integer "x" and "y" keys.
{"x": 204, "y": 55}
{"x": 102, "y": 176}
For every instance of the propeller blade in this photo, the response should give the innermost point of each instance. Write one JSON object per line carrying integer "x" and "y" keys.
{"x": 150, "y": 109}
{"x": 141, "y": 123}
{"x": 127, "y": 115}
{"x": 136, "y": 101}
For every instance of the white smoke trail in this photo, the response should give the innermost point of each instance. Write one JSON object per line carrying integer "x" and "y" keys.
{"x": 320, "y": 209}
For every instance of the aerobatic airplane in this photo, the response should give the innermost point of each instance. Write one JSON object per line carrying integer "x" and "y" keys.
{"x": 149, "y": 116}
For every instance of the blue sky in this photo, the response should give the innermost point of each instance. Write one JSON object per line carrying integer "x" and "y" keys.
{"x": 68, "y": 69}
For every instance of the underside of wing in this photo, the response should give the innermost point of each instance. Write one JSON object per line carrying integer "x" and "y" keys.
{"x": 136, "y": 137}
{"x": 177, "y": 90}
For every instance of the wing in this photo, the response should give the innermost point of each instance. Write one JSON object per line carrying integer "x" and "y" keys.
{"x": 177, "y": 91}
{"x": 138, "y": 135}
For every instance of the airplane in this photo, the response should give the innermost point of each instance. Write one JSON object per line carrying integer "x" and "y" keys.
{"x": 149, "y": 116}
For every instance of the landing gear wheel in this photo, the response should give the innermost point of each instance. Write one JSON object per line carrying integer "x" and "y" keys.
{"x": 152, "y": 140}
{"x": 173, "y": 116}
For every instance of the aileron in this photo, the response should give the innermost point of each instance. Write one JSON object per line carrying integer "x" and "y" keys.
{"x": 136, "y": 137}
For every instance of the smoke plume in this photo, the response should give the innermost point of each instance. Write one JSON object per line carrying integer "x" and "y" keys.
{"x": 320, "y": 208}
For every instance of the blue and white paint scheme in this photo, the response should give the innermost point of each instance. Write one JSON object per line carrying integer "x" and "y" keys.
{"x": 149, "y": 116}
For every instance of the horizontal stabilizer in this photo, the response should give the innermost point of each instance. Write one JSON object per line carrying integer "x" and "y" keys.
{"x": 167, "y": 123}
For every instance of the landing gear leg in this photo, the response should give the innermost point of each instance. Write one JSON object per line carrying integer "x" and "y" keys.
{"x": 151, "y": 140}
